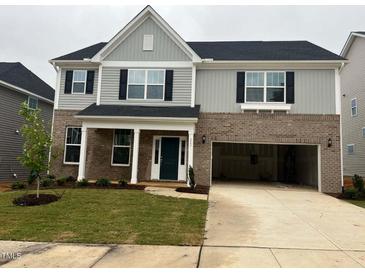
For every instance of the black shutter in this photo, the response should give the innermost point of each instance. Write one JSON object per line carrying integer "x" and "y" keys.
{"x": 290, "y": 87}
{"x": 240, "y": 98}
{"x": 168, "y": 84}
{"x": 68, "y": 81}
{"x": 123, "y": 84}
{"x": 90, "y": 81}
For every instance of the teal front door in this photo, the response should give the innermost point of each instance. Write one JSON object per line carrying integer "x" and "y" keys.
{"x": 169, "y": 161}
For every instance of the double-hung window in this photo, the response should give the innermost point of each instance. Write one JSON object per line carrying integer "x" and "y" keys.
{"x": 72, "y": 145}
{"x": 265, "y": 87}
{"x": 32, "y": 102}
{"x": 121, "y": 147}
{"x": 79, "y": 81}
{"x": 353, "y": 107}
{"x": 146, "y": 84}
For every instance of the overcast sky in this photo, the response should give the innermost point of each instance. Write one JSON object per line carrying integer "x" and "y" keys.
{"x": 34, "y": 34}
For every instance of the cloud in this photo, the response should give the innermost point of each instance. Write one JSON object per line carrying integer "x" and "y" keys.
{"x": 34, "y": 34}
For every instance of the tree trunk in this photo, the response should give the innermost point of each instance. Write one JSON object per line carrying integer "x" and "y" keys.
{"x": 38, "y": 184}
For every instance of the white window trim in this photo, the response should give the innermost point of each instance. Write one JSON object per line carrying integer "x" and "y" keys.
{"x": 113, "y": 146}
{"x": 265, "y": 87}
{"x": 355, "y": 107}
{"x": 146, "y": 85}
{"x": 73, "y": 81}
{"x": 64, "y": 153}
{"x": 353, "y": 149}
{"x": 35, "y": 98}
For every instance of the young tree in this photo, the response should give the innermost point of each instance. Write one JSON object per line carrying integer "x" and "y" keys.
{"x": 37, "y": 142}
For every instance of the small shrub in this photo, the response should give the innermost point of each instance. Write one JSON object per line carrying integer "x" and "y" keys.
{"x": 18, "y": 185}
{"x": 82, "y": 183}
{"x": 350, "y": 193}
{"x": 47, "y": 182}
{"x": 61, "y": 181}
{"x": 103, "y": 182}
{"x": 358, "y": 183}
{"x": 192, "y": 183}
{"x": 122, "y": 182}
{"x": 71, "y": 179}
{"x": 52, "y": 177}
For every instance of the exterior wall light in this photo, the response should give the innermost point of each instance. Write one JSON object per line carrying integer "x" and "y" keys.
{"x": 204, "y": 138}
{"x": 329, "y": 142}
{"x": 17, "y": 131}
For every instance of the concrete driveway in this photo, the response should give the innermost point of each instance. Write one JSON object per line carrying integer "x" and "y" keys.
{"x": 269, "y": 226}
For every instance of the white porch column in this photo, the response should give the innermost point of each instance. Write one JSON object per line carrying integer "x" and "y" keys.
{"x": 191, "y": 149}
{"x": 83, "y": 149}
{"x": 135, "y": 156}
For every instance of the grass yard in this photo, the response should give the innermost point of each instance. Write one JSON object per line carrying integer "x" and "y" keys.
{"x": 357, "y": 202}
{"x": 105, "y": 216}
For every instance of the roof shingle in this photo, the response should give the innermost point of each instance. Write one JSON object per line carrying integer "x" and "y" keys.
{"x": 18, "y": 75}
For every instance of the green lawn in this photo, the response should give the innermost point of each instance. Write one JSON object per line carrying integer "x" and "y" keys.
{"x": 105, "y": 216}
{"x": 356, "y": 202}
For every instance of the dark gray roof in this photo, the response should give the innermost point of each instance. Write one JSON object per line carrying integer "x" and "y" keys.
{"x": 141, "y": 111}
{"x": 87, "y": 52}
{"x": 262, "y": 51}
{"x": 360, "y": 32}
{"x": 238, "y": 50}
{"x": 18, "y": 75}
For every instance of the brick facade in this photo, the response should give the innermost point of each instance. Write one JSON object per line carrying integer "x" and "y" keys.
{"x": 275, "y": 129}
{"x": 235, "y": 127}
{"x": 99, "y": 150}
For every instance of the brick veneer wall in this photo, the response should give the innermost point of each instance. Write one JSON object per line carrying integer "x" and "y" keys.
{"x": 271, "y": 128}
{"x": 99, "y": 150}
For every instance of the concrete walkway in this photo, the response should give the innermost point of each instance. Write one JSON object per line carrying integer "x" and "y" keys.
{"x": 247, "y": 226}
{"x": 171, "y": 192}
{"x": 268, "y": 226}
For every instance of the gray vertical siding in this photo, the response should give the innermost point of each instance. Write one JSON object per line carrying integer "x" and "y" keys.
{"x": 353, "y": 86}
{"x": 76, "y": 101}
{"x": 164, "y": 48}
{"x": 181, "y": 93}
{"x": 11, "y": 143}
{"x": 314, "y": 91}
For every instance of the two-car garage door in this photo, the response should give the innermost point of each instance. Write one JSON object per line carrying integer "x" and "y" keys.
{"x": 290, "y": 164}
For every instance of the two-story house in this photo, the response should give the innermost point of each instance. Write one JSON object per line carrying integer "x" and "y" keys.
{"x": 353, "y": 104}
{"x": 17, "y": 85}
{"x": 147, "y": 105}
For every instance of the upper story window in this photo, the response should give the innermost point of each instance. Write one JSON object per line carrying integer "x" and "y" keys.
{"x": 265, "y": 87}
{"x": 32, "y": 102}
{"x": 72, "y": 145}
{"x": 79, "y": 81}
{"x": 353, "y": 107}
{"x": 146, "y": 84}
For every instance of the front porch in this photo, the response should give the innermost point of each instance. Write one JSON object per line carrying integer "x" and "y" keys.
{"x": 136, "y": 151}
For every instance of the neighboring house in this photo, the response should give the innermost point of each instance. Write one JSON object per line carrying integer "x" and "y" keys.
{"x": 147, "y": 105}
{"x": 353, "y": 105}
{"x": 18, "y": 84}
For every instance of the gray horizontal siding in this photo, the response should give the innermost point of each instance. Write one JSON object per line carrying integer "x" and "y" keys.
{"x": 11, "y": 143}
{"x": 314, "y": 91}
{"x": 181, "y": 93}
{"x": 353, "y": 86}
{"x": 76, "y": 101}
{"x": 164, "y": 48}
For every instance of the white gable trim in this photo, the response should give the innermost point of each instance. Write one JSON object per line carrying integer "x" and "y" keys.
{"x": 349, "y": 42}
{"x": 147, "y": 12}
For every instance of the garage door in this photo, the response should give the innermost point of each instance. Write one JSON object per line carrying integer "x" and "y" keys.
{"x": 290, "y": 164}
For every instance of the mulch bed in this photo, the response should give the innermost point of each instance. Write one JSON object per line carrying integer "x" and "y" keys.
{"x": 343, "y": 197}
{"x": 92, "y": 185}
{"x": 32, "y": 200}
{"x": 196, "y": 190}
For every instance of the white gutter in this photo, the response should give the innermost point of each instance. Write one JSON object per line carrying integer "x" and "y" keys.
{"x": 135, "y": 118}
{"x": 212, "y": 61}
